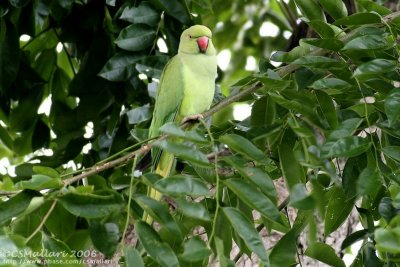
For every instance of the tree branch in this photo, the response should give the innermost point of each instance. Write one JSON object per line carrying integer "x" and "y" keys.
{"x": 108, "y": 165}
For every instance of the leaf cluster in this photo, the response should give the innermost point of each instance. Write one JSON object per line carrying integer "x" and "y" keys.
{"x": 326, "y": 121}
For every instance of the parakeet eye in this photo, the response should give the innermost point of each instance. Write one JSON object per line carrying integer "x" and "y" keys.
{"x": 190, "y": 36}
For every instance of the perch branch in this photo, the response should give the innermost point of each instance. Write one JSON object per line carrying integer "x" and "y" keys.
{"x": 107, "y": 165}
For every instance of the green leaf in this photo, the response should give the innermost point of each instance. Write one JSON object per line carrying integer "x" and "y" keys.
{"x": 338, "y": 209}
{"x": 363, "y": 109}
{"x": 6, "y": 139}
{"x": 136, "y": 37}
{"x": 328, "y": 43}
{"x": 160, "y": 251}
{"x": 90, "y": 205}
{"x": 302, "y": 103}
{"x": 23, "y": 117}
{"x": 392, "y": 107}
{"x": 159, "y": 212}
{"x": 336, "y": 8}
{"x": 243, "y": 146}
{"x": 351, "y": 172}
{"x": 9, "y": 56}
{"x": 369, "y": 182}
{"x": 173, "y": 129}
{"x": 322, "y": 28}
{"x": 353, "y": 238}
{"x": 16, "y": 205}
{"x": 194, "y": 250}
{"x": 375, "y": 7}
{"x": 45, "y": 63}
{"x": 50, "y": 172}
{"x": 310, "y": 9}
{"x": 263, "y": 112}
{"x": 327, "y": 106}
{"x": 272, "y": 84}
{"x": 254, "y": 198}
{"x": 58, "y": 251}
{"x": 388, "y": 240}
{"x": 291, "y": 169}
{"x": 132, "y": 257}
{"x": 367, "y": 257}
{"x": 186, "y": 152}
{"x": 386, "y": 209}
{"x": 180, "y": 185}
{"x": 374, "y": 67}
{"x": 120, "y": 67}
{"x": 290, "y": 56}
{"x": 144, "y": 13}
{"x": 246, "y": 230}
{"x": 359, "y": 19}
{"x": 331, "y": 85}
{"x": 139, "y": 114}
{"x": 19, "y": 3}
{"x": 349, "y": 146}
{"x": 319, "y": 62}
{"x": 105, "y": 237}
{"x": 223, "y": 259}
{"x": 345, "y": 129}
{"x": 174, "y": 9}
{"x": 392, "y": 152}
{"x": 55, "y": 223}
{"x": 193, "y": 210}
{"x": 299, "y": 198}
{"x": 366, "y": 218}
{"x": 255, "y": 175}
{"x": 284, "y": 252}
{"x": 39, "y": 182}
{"x": 152, "y": 66}
{"x": 324, "y": 253}
{"x": 368, "y": 42}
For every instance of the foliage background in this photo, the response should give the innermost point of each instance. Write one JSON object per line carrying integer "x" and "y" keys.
{"x": 326, "y": 120}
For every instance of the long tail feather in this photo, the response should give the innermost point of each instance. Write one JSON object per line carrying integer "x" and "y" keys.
{"x": 164, "y": 168}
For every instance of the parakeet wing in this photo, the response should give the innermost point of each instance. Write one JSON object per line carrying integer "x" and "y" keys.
{"x": 169, "y": 98}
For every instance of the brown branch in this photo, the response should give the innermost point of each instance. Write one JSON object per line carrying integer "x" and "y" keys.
{"x": 108, "y": 165}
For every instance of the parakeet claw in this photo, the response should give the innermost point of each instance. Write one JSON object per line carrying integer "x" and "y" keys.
{"x": 194, "y": 117}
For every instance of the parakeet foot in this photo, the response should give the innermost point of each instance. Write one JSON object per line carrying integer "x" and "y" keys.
{"x": 194, "y": 117}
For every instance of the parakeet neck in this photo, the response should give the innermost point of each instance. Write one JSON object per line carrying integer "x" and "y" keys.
{"x": 206, "y": 65}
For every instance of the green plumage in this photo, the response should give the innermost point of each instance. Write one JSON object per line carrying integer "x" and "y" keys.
{"x": 186, "y": 88}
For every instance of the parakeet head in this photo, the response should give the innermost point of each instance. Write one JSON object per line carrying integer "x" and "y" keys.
{"x": 197, "y": 40}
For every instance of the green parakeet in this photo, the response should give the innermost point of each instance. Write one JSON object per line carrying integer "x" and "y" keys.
{"x": 186, "y": 89}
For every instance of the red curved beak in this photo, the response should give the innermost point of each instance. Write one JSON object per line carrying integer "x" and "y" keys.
{"x": 202, "y": 42}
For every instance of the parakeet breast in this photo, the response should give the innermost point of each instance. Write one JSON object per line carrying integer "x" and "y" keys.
{"x": 199, "y": 73}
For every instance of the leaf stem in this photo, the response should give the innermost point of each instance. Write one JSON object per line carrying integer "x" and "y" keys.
{"x": 128, "y": 208}
{"x": 217, "y": 181}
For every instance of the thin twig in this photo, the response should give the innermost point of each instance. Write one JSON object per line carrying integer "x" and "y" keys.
{"x": 128, "y": 208}
{"x": 99, "y": 168}
{"x": 53, "y": 205}
{"x": 217, "y": 182}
